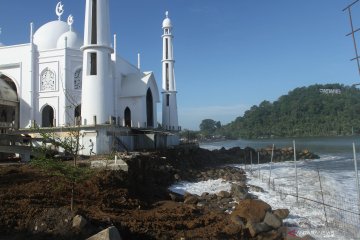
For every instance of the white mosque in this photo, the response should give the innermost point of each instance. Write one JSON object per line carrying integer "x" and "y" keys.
{"x": 60, "y": 80}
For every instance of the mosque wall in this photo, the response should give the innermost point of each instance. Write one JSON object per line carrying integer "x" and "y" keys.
{"x": 123, "y": 67}
{"x": 17, "y": 66}
{"x": 136, "y": 106}
{"x": 72, "y": 70}
{"x": 50, "y": 80}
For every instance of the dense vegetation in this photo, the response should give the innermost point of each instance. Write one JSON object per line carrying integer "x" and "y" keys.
{"x": 317, "y": 110}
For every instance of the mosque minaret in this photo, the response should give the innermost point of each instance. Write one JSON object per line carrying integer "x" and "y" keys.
{"x": 97, "y": 89}
{"x": 169, "y": 105}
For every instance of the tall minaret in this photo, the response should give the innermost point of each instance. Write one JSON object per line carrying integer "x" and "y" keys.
{"x": 169, "y": 109}
{"x": 97, "y": 87}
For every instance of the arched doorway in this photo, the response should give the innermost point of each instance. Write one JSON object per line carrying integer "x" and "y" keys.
{"x": 47, "y": 116}
{"x": 9, "y": 104}
{"x": 77, "y": 115}
{"x": 3, "y": 116}
{"x": 149, "y": 109}
{"x": 127, "y": 115}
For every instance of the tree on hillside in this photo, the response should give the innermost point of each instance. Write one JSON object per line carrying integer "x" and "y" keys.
{"x": 209, "y": 126}
{"x": 189, "y": 135}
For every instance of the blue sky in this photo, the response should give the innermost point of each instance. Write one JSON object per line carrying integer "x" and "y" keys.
{"x": 230, "y": 54}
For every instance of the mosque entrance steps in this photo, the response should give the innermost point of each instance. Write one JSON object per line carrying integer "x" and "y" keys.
{"x": 17, "y": 144}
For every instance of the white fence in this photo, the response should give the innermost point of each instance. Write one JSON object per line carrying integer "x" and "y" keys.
{"x": 303, "y": 187}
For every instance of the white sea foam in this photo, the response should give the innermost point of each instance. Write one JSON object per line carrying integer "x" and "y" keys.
{"x": 337, "y": 175}
{"x": 209, "y": 186}
{"x": 306, "y": 216}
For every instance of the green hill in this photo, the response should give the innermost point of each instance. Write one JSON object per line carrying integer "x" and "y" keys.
{"x": 317, "y": 110}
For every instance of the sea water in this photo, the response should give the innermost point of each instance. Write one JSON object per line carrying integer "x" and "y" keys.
{"x": 327, "y": 205}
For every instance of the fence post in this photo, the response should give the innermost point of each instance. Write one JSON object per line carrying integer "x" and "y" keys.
{"x": 296, "y": 176}
{"x": 259, "y": 163}
{"x": 322, "y": 196}
{"x": 274, "y": 184}
{"x": 251, "y": 161}
{"x": 245, "y": 159}
{"x": 357, "y": 177}
{"x": 271, "y": 160}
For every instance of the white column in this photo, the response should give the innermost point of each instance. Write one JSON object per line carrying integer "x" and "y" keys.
{"x": 98, "y": 84}
{"x": 169, "y": 106}
{"x": 32, "y": 72}
{"x": 139, "y": 61}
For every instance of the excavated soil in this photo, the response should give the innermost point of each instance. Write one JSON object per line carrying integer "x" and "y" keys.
{"x": 36, "y": 205}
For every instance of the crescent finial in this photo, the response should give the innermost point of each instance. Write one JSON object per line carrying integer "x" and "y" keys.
{"x": 70, "y": 21}
{"x": 167, "y": 14}
{"x": 59, "y": 9}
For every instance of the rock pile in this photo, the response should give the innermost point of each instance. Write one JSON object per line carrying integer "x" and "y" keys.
{"x": 250, "y": 217}
{"x": 226, "y": 173}
{"x": 280, "y": 154}
{"x": 285, "y": 154}
{"x": 224, "y": 201}
{"x": 257, "y": 219}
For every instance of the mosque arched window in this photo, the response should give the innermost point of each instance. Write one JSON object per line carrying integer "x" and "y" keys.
{"x": 47, "y": 80}
{"x": 149, "y": 108}
{"x": 78, "y": 79}
{"x": 167, "y": 48}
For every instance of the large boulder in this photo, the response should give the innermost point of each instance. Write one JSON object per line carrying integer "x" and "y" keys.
{"x": 272, "y": 220}
{"x": 192, "y": 199}
{"x": 79, "y": 222}
{"x": 239, "y": 192}
{"x": 281, "y": 213}
{"x": 223, "y": 194}
{"x": 271, "y": 235}
{"x": 237, "y": 220}
{"x": 110, "y": 233}
{"x": 252, "y": 210}
{"x": 256, "y": 228}
{"x": 176, "y": 197}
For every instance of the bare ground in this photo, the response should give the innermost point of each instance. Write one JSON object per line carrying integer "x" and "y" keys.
{"x": 35, "y": 205}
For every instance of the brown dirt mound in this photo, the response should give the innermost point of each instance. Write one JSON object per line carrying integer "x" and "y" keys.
{"x": 35, "y": 205}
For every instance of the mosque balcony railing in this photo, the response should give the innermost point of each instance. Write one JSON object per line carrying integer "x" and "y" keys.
{"x": 172, "y": 128}
{"x": 6, "y": 125}
{"x": 122, "y": 123}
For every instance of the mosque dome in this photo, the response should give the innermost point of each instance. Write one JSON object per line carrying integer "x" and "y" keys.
{"x": 167, "y": 22}
{"x": 73, "y": 40}
{"x": 46, "y": 36}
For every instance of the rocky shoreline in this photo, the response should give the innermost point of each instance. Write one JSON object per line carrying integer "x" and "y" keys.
{"x": 35, "y": 205}
{"x": 279, "y": 155}
{"x": 250, "y": 217}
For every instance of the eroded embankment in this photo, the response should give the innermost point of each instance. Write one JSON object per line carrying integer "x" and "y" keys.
{"x": 35, "y": 205}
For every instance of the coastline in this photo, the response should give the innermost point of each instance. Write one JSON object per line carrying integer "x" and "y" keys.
{"x": 138, "y": 202}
